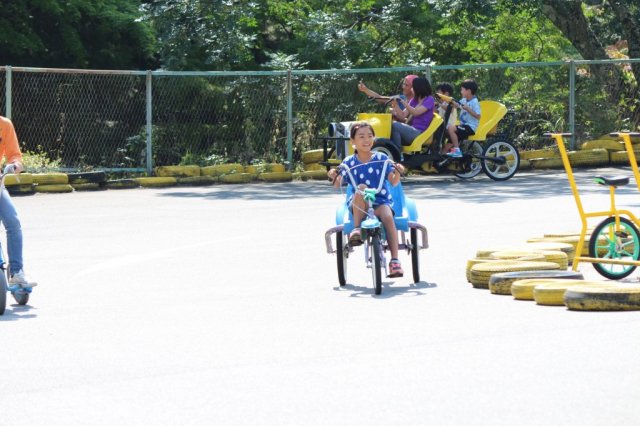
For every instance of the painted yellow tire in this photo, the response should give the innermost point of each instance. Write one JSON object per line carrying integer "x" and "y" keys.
{"x": 221, "y": 169}
{"x": 591, "y": 157}
{"x": 87, "y": 186}
{"x": 236, "y": 178}
{"x": 256, "y": 169}
{"x": 539, "y": 153}
{"x": 614, "y": 297}
{"x": 197, "y": 180}
{"x": 26, "y": 189}
{"x": 567, "y": 248}
{"x": 475, "y": 261}
{"x": 312, "y": 156}
{"x": 482, "y": 272}
{"x": 275, "y": 177}
{"x": 546, "y": 163}
{"x": 500, "y": 283}
{"x": 156, "y": 182}
{"x": 177, "y": 171}
{"x": 310, "y": 167}
{"x": 51, "y": 179}
{"x": 19, "y": 179}
{"x": 488, "y": 251}
{"x": 54, "y": 188}
{"x": 608, "y": 144}
{"x": 524, "y": 164}
{"x": 87, "y": 177}
{"x": 552, "y": 294}
{"x": 517, "y": 255}
{"x": 122, "y": 184}
{"x": 622, "y": 157}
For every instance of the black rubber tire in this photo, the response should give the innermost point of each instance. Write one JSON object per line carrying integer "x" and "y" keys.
{"x": 601, "y": 231}
{"x": 376, "y": 267}
{"x": 21, "y": 298}
{"x": 415, "y": 255}
{"x": 499, "y": 172}
{"x": 387, "y": 147}
{"x": 3, "y": 292}
{"x": 341, "y": 259}
{"x": 476, "y": 164}
{"x": 87, "y": 177}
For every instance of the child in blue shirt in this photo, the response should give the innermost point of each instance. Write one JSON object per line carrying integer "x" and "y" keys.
{"x": 469, "y": 117}
{"x": 366, "y": 167}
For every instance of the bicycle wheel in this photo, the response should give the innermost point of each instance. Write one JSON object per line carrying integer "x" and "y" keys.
{"x": 415, "y": 255}
{"x": 21, "y": 297}
{"x": 341, "y": 255}
{"x": 3, "y": 291}
{"x": 376, "y": 255}
{"x": 609, "y": 242}
{"x": 472, "y": 165}
{"x": 498, "y": 171}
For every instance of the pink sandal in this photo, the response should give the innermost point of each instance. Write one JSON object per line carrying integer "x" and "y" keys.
{"x": 395, "y": 269}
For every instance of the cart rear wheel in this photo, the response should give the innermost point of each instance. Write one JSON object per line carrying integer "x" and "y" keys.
{"x": 622, "y": 243}
{"x": 341, "y": 254}
{"x": 387, "y": 147}
{"x": 511, "y": 156}
{"x": 415, "y": 255}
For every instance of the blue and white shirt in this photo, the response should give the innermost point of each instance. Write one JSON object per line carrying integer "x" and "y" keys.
{"x": 369, "y": 174}
{"x": 465, "y": 117}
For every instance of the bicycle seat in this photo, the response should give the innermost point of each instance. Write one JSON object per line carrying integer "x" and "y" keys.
{"x": 612, "y": 181}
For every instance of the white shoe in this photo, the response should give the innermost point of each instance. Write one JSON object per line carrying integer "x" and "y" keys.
{"x": 21, "y": 279}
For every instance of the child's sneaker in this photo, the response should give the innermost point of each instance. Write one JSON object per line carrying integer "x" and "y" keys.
{"x": 395, "y": 269}
{"x": 20, "y": 279}
{"x": 454, "y": 153}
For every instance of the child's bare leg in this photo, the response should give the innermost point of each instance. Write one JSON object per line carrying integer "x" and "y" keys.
{"x": 453, "y": 136}
{"x": 358, "y": 207}
{"x": 386, "y": 217}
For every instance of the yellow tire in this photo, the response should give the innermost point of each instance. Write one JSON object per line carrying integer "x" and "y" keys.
{"x": 310, "y": 167}
{"x": 221, "y": 169}
{"x": 86, "y": 186}
{"x": 197, "y": 180}
{"x": 122, "y": 184}
{"x": 546, "y": 163}
{"x": 614, "y": 297}
{"x": 29, "y": 188}
{"x": 236, "y": 178}
{"x": 517, "y": 255}
{"x": 51, "y": 179}
{"x": 622, "y": 157}
{"x": 275, "y": 177}
{"x": 591, "y": 157}
{"x": 524, "y": 164}
{"x": 256, "y": 169}
{"x": 312, "y": 156}
{"x": 156, "y": 182}
{"x": 608, "y": 144}
{"x": 481, "y": 273}
{"x": 54, "y": 188}
{"x": 19, "y": 179}
{"x": 552, "y": 294}
{"x": 539, "y": 153}
{"x": 177, "y": 171}
{"x": 475, "y": 261}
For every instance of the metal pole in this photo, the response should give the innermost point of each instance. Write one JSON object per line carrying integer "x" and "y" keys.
{"x": 149, "y": 126}
{"x": 427, "y": 73}
{"x": 572, "y": 104}
{"x": 289, "y": 122}
{"x": 7, "y": 90}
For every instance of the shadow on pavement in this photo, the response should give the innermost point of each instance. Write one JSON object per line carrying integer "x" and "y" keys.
{"x": 388, "y": 290}
{"x": 17, "y": 312}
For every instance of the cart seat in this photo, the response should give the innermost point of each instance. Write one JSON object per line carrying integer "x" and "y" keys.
{"x": 491, "y": 112}
{"x": 426, "y": 137}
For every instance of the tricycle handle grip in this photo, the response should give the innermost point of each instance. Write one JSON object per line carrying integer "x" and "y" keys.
{"x": 616, "y": 134}
{"x": 551, "y": 134}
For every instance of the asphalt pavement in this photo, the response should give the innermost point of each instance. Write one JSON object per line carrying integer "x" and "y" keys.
{"x": 220, "y": 305}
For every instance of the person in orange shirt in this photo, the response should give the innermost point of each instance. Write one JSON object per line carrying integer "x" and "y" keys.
{"x": 10, "y": 150}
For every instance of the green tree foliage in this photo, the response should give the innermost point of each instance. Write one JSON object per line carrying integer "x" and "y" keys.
{"x": 104, "y": 34}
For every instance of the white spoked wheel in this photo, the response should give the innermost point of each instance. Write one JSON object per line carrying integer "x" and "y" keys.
{"x": 506, "y": 170}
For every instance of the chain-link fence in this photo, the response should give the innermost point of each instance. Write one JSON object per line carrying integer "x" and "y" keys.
{"x": 135, "y": 120}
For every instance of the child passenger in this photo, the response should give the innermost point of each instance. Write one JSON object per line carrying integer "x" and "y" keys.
{"x": 469, "y": 117}
{"x": 447, "y": 90}
{"x": 366, "y": 167}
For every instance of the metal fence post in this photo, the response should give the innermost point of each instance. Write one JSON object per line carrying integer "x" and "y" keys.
{"x": 427, "y": 73}
{"x": 289, "y": 121}
{"x": 572, "y": 103}
{"x": 149, "y": 125}
{"x": 7, "y": 94}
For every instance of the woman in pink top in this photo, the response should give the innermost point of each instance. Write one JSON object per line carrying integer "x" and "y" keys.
{"x": 418, "y": 113}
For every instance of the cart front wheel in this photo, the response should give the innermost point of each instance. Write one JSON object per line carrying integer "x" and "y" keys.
{"x": 609, "y": 241}
{"x": 508, "y": 164}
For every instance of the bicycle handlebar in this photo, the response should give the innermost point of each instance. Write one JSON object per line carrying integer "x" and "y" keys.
{"x": 352, "y": 179}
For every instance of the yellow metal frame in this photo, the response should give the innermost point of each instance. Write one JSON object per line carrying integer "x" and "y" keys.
{"x": 613, "y": 211}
